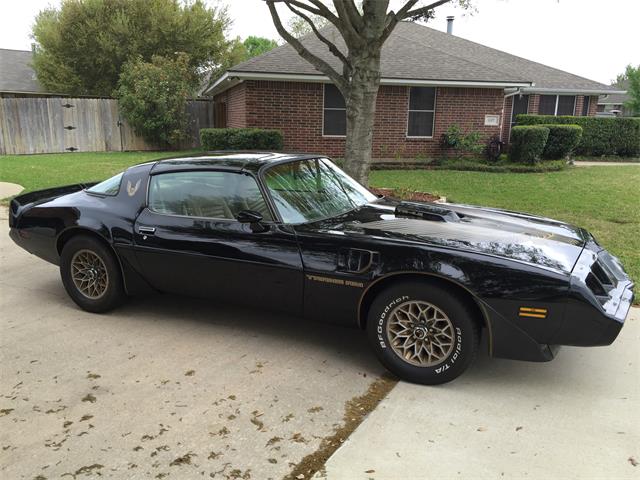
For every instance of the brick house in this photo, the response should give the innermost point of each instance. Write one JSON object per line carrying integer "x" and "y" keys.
{"x": 430, "y": 81}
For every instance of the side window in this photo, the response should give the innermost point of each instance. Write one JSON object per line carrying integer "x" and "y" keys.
{"x": 557, "y": 105}
{"x": 547, "y": 104}
{"x": 334, "y": 121}
{"x": 422, "y": 110}
{"x": 208, "y": 194}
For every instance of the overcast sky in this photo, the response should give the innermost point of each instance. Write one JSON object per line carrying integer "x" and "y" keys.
{"x": 592, "y": 38}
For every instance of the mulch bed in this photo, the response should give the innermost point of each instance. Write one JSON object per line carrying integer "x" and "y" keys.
{"x": 405, "y": 195}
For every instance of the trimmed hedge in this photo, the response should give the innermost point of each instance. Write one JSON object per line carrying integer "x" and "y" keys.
{"x": 472, "y": 165}
{"x": 241, "y": 139}
{"x": 563, "y": 139}
{"x": 527, "y": 143}
{"x": 600, "y": 136}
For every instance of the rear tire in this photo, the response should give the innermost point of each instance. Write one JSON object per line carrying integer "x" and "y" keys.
{"x": 422, "y": 332}
{"x": 91, "y": 274}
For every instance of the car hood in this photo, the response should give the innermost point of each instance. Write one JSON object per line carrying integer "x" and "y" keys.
{"x": 516, "y": 236}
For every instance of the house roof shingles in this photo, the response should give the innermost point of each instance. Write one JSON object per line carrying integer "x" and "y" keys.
{"x": 417, "y": 52}
{"x": 16, "y": 72}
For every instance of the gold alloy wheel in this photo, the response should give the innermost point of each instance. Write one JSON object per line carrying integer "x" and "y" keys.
{"x": 420, "y": 333}
{"x": 89, "y": 274}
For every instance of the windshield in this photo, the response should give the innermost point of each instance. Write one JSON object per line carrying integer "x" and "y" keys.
{"x": 110, "y": 186}
{"x": 313, "y": 189}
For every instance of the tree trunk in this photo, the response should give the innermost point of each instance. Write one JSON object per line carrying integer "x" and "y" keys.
{"x": 361, "y": 110}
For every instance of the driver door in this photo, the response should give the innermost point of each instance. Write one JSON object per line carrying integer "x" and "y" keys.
{"x": 188, "y": 241}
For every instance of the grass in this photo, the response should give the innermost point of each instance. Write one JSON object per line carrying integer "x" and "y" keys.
{"x": 604, "y": 200}
{"x": 35, "y": 172}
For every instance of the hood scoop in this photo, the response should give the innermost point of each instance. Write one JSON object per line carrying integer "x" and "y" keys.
{"x": 426, "y": 211}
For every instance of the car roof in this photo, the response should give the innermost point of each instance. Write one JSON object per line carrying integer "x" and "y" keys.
{"x": 227, "y": 160}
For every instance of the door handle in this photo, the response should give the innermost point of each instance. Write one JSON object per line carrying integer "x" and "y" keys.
{"x": 147, "y": 230}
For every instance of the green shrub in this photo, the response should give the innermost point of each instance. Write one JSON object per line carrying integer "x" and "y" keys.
{"x": 527, "y": 143}
{"x": 153, "y": 97}
{"x": 240, "y": 139}
{"x": 600, "y": 135}
{"x": 462, "y": 143}
{"x": 562, "y": 141}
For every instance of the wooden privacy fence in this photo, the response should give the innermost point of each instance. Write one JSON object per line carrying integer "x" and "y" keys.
{"x": 53, "y": 125}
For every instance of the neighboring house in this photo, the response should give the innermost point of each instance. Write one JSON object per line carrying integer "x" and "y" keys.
{"x": 614, "y": 103}
{"x": 430, "y": 81}
{"x": 17, "y": 76}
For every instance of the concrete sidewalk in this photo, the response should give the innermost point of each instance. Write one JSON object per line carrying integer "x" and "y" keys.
{"x": 575, "y": 417}
{"x": 9, "y": 189}
{"x": 605, "y": 164}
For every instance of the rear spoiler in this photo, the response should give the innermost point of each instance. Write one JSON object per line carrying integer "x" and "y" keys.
{"x": 23, "y": 202}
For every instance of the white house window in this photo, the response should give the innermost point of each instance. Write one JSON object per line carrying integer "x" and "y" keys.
{"x": 557, "y": 105}
{"x": 422, "y": 108}
{"x": 334, "y": 120}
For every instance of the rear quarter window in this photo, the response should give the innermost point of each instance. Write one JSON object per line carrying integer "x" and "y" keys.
{"x": 111, "y": 186}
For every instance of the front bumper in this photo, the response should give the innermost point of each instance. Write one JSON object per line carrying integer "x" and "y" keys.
{"x": 601, "y": 295}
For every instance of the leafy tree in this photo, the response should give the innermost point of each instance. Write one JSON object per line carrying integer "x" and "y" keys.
{"x": 255, "y": 46}
{"x": 83, "y": 45}
{"x": 298, "y": 26}
{"x": 630, "y": 81}
{"x": 153, "y": 97}
{"x": 363, "y": 32}
{"x": 236, "y": 53}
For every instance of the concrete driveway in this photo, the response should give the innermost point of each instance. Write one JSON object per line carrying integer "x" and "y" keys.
{"x": 577, "y": 417}
{"x": 167, "y": 387}
{"x": 164, "y": 387}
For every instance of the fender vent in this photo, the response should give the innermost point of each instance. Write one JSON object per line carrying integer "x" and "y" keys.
{"x": 355, "y": 260}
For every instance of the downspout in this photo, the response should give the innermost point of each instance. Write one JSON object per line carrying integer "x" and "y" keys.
{"x": 517, "y": 91}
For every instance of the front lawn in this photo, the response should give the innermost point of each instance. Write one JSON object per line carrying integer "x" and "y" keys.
{"x": 604, "y": 200}
{"x": 35, "y": 172}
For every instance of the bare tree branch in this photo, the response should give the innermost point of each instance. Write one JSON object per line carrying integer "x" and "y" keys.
{"x": 314, "y": 60}
{"x": 406, "y": 12}
{"x": 354, "y": 14}
{"x": 325, "y": 12}
{"x": 349, "y": 29}
{"x": 403, "y": 11}
{"x": 418, "y": 12}
{"x": 300, "y": 5}
{"x": 317, "y": 8}
{"x": 332, "y": 47}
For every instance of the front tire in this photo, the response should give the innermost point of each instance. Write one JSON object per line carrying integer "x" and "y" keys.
{"x": 91, "y": 274}
{"x": 422, "y": 332}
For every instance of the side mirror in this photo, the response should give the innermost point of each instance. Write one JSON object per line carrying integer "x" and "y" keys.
{"x": 249, "y": 216}
{"x": 253, "y": 218}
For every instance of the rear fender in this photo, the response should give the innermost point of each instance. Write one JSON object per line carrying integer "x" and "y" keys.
{"x": 23, "y": 202}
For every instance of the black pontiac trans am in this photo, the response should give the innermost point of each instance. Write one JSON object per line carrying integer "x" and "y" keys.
{"x": 294, "y": 233}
